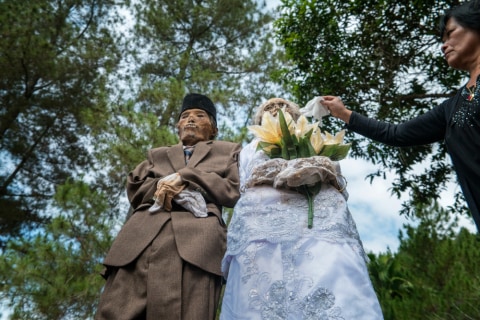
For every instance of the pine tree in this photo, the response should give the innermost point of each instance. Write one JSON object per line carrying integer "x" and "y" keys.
{"x": 434, "y": 274}
{"x": 54, "y": 58}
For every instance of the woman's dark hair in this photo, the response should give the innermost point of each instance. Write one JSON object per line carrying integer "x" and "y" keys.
{"x": 466, "y": 14}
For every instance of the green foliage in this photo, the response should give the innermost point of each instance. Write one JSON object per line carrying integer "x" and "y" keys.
{"x": 383, "y": 59}
{"x": 390, "y": 280}
{"x": 123, "y": 135}
{"x": 54, "y": 272}
{"x": 223, "y": 49}
{"x": 434, "y": 274}
{"x": 74, "y": 122}
{"x": 54, "y": 58}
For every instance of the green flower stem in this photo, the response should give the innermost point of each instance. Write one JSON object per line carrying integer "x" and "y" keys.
{"x": 310, "y": 209}
{"x": 310, "y": 192}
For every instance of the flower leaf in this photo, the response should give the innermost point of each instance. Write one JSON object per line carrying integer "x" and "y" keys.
{"x": 341, "y": 152}
{"x": 335, "y": 152}
{"x": 288, "y": 146}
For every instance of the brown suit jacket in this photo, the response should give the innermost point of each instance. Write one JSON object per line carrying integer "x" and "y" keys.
{"x": 212, "y": 170}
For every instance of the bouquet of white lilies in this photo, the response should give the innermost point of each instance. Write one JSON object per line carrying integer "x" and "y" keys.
{"x": 281, "y": 137}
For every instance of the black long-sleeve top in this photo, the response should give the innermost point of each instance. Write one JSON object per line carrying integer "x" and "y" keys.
{"x": 456, "y": 121}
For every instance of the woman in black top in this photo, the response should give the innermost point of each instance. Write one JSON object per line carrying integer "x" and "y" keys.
{"x": 456, "y": 120}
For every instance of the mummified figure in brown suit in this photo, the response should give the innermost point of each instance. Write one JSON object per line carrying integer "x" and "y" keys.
{"x": 165, "y": 261}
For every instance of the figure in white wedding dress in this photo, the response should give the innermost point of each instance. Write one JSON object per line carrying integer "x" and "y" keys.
{"x": 278, "y": 268}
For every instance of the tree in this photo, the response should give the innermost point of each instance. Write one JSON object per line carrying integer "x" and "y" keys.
{"x": 104, "y": 119}
{"x": 55, "y": 57}
{"x": 54, "y": 273}
{"x": 382, "y": 58}
{"x": 389, "y": 279}
{"x": 434, "y": 274}
{"x": 223, "y": 49}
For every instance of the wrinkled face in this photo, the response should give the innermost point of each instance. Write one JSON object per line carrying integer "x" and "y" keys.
{"x": 461, "y": 46}
{"x": 273, "y": 109}
{"x": 194, "y": 125}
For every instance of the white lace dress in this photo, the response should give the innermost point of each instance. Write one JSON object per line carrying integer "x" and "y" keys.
{"x": 277, "y": 268}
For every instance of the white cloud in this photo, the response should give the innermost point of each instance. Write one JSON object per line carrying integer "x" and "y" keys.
{"x": 376, "y": 211}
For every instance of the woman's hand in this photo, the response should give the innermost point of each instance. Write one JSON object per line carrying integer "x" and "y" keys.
{"x": 336, "y": 107}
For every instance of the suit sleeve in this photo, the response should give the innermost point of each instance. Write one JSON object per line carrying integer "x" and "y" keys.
{"x": 218, "y": 182}
{"x": 141, "y": 185}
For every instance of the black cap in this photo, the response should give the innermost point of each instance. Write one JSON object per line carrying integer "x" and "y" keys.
{"x": 199, "y": 101}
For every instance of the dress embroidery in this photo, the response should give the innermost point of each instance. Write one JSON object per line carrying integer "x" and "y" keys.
{"x": 283, "y": 297}
{"x": 279, "y": 302}
{"x": 278, "y": 269}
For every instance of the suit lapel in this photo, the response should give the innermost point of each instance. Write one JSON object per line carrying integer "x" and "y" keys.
{"x": 201, "y": 150}
{"x": 176, "y": 157}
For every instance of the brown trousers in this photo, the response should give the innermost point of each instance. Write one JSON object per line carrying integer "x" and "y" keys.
{"x": 160, "y": 285}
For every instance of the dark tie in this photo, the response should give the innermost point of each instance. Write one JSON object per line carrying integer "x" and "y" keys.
{"x": 188, "y": 153}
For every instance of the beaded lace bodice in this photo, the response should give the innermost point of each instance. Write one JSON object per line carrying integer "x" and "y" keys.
{"x": 261, "y": 213}
{"x": 278, "y": 268}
